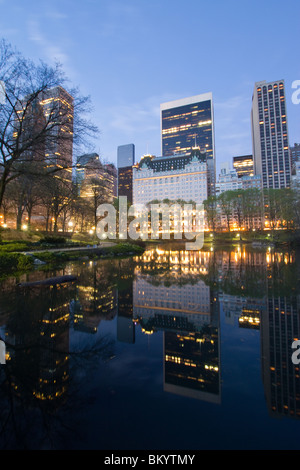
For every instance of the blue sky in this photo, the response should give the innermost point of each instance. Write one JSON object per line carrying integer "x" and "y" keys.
{"x": 132, "y": 55}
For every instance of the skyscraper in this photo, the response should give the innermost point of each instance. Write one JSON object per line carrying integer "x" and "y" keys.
{"x": 126, "y": 156}
{"x": 188, "y": 123}
{"x": 59, "y": 141}
{"x": 270, "y": 134}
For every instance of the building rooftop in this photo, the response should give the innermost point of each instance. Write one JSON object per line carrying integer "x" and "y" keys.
{"x": 174, "y": 162}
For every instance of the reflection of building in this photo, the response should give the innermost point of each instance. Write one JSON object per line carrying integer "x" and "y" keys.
{"x": 125, "y": 324}
{"x": 191, "y": 364}
{"x": 175, "y": 307}
{"x": 271, "y": 154}
{"x": 126, "y": 157}
{"x": 251, "y": 314}
{"x": 187, "y": 123}
{"x": 44, "y": 343}
{"x": 281, "y": 378}
{"x": 96, "y": 299}
{"x": 186, "y": 310}
{"x": 247, "y": 310}
{"x": 280, "y": 327}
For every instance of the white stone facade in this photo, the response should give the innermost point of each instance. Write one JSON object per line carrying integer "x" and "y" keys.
{"x": 188, "y": 183}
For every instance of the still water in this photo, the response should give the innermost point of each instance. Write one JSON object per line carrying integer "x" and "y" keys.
{"x": 171, "y": 350}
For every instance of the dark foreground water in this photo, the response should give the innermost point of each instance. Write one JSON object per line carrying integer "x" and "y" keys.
{"x": 172, "y": 350}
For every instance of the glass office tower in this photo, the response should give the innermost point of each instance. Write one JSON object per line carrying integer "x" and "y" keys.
{"x": 187, "y": 123}
{"x": 126, "y": 156}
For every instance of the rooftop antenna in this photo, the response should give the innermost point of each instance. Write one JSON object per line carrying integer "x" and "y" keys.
{"x": 195, "y": 141}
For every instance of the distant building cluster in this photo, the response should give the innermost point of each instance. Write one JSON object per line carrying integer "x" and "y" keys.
{"x": 75, "y": 179}
{"x": 186, "y": 169}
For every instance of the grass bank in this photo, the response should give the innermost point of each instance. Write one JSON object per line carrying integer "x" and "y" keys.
{"x": 263, "y": 237}
{"x": 12, "y": 263}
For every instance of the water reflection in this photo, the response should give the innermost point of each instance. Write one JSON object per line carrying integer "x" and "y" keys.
{"x": 169, "y": 296}
{"x": 181, "y": 295}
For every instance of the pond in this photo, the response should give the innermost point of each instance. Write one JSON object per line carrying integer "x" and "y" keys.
{"x": 172, "y": 349}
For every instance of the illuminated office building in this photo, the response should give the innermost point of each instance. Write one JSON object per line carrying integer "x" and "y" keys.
{"x": 271, "y": 153}
{"x": 125, "y": 158}
{"x": 59, "y": 142}
{"x": 243, "y": 165}
{"x": 90, "y": 171}
{"x": 188, "y": 123}
{"x": 46, "y": 126}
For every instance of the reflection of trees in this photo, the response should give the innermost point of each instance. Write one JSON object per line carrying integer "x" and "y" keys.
{"x": 236, "y": 273}
{"x": 39, "y": 386}
{"x": 283, "y": 279}
{"x": 29, "y": 422}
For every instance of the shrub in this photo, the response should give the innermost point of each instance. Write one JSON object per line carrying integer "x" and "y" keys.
{"x": 52, "y": 240}
{"x": 8, "y": 261}
{"x": 13, "y": 246}
{"x": 25, "y": 262}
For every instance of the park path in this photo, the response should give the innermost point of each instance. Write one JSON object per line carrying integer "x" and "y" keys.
{"x": 75, "y": 248}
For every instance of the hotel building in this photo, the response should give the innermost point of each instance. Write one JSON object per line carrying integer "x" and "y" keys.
{"x": 187, "y": 123}
{"x": 271, "y": 153}
{"x": 182, "y": 177}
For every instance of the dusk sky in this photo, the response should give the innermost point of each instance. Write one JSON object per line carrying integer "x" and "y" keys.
{"x": 132, "y": 55}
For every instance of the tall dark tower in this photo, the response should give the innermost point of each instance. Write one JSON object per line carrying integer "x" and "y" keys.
{"x": 126, "y": 157}
{"x": 187, "y": 123}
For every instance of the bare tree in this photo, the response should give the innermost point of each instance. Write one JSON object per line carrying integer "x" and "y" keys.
{"x": 40, "y": 120}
